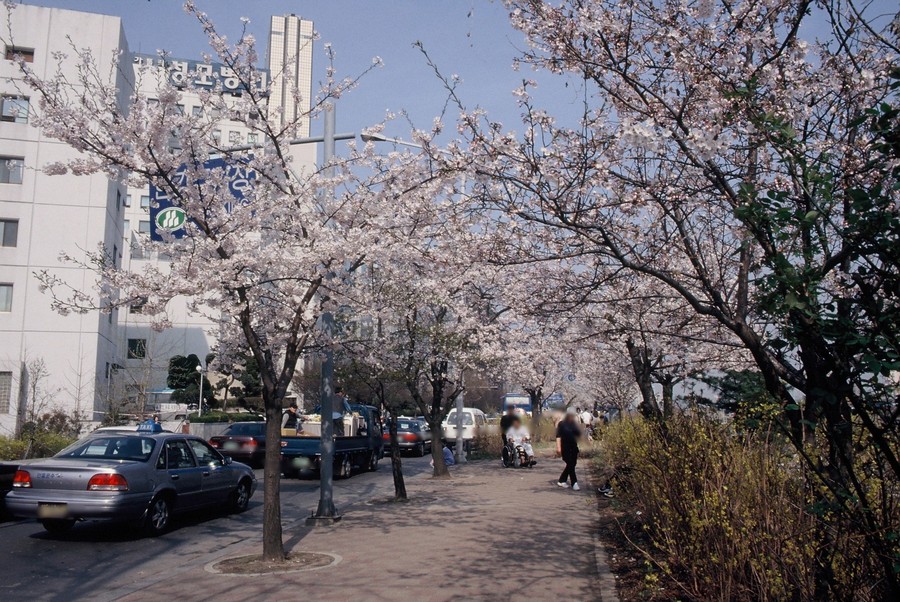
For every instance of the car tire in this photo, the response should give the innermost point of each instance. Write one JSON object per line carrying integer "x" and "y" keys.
{"x": 159, "y": 516}
{"x": 420, "y": 450}
{"x": 346, "y": 467}
{"x": 57, "y": 526}
{"x": 240, "y": 497}
{"x": 373, "y": 461}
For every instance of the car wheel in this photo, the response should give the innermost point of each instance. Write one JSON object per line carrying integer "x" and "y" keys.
{"x": 346, "y": 467}
{"x": 57, "y": 526}
{"x": 240, "y": 497}
{"x": 420, "y": 450}
{"x": 373, "y": 461}
{"x": 159, "y": 516}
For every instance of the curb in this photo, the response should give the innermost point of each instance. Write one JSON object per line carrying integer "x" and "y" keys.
{"x": 605, "y": 575}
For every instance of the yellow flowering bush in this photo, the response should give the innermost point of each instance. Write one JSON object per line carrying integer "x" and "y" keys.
{"x": 729, "y": 515}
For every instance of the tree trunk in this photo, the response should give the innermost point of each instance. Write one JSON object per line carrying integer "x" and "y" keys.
{"x": 536, "y": 411}
{"x": 396, "y": 466}
{"x": 640, "y": 364}
{"x": 273, "y": 546}
{"x": 668, "y": 395}
{"x": 437, "y": 455}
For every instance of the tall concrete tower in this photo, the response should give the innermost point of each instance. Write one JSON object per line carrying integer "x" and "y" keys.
{"x": 290, "y": 67}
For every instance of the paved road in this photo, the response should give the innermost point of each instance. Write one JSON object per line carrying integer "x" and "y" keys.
{"x": 102, "y": 562}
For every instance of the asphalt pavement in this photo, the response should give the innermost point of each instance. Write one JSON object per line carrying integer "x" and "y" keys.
{"x": 102, "y": 561}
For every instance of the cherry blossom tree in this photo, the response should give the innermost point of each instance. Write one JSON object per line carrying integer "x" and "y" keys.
{"x": 737, "y": 162}
{"x": 432, "y": 306}
{"x": 259, "y": 267}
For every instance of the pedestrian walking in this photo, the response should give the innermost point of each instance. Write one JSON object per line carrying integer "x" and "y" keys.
{"x": 587, "y": 419}
{"x": 567, "y": 434}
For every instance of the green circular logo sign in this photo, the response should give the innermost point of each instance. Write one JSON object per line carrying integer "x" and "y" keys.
{"x": 170, "y": 219}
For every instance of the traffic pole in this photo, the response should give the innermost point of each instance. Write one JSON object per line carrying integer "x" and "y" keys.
{"x": 326, "y": 512}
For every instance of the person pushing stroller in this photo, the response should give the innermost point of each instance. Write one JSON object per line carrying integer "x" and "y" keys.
{"x": 519, "y": 436}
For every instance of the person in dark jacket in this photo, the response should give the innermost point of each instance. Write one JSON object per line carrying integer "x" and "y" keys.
{"x": 567, "y": 434}
{"x": 506, "y": 421}
{"x": 289, "y": 419}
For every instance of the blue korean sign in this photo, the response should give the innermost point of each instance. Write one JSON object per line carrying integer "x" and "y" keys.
{"x": 165, "y": 216}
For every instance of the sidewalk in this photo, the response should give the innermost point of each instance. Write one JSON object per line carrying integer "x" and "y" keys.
{"x": 488, "y": 534}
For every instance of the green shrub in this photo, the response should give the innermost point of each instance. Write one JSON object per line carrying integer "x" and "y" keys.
{"x": 46, "y": 444}
{"x": 487, "y": 445}
{"x": 12, "y": 449}
{"x": 729, "y": 516}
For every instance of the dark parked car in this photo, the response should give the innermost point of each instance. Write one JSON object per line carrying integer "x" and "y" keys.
{"x": 7, "y": 472}
{"x": 243, "y": 441}
{"x": 132, "y": 476}
{"x": 412, "y": 435}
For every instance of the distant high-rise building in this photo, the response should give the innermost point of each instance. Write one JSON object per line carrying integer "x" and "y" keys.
{"x": 290, "y": 66}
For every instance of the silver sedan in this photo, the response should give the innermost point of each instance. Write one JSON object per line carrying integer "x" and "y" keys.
{"x": 132, "y": 476}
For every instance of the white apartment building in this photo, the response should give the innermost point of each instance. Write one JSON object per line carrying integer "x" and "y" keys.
{"x": 95, "y": 358}
{"x": 41, "y": 216}
{"x": 141, "y": 376}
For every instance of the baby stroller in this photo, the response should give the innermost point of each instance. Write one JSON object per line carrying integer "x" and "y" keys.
{"x": 514, "y": 456}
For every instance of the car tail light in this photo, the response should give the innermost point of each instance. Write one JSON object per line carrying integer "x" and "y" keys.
{"x": 22, "y": 479}
{"x": 251, "y": 443}
{"x": 386, "y": 436}
{"x": 107, "y": 482}
{"x": 214, "y": 443}
{"x": 410, "y": 437}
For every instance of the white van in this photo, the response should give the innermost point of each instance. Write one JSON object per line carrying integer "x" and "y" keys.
{"x": 472, "y": 422}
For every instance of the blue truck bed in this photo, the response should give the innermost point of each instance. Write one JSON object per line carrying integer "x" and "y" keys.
{"x": 303, "y": 454}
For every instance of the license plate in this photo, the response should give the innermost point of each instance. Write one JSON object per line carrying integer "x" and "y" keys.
{"x": 230, "y": 445}
{"x": 47, "y": 510}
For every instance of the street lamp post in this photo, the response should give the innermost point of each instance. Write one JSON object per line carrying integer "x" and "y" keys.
{"x": 326, "y": 512}
{"x": 200, "y": 404}
{"x": 460, "y": 404}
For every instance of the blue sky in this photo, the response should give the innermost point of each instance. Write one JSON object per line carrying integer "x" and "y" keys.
{"x": 471, "y": 38}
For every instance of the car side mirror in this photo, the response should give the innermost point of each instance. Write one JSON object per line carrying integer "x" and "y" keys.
{"x": 227, "y": 460}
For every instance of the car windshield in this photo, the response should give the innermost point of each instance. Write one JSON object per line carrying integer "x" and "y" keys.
{"x": 246, "y": 429}
{"x": 467, "y": 419}
{"x": 114, "y": 447}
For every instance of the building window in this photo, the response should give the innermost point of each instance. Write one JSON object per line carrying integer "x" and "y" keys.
{"x": 145, "y": 201}
{"x": 138, "y": 306}
{"x": 5, "y": 391}
{"x": 197, "y": 111}
{"x": 137, "y": 349}
{"x": 144, "y": 226}
{"x": 27, "y": 54}
{"x": 127, "y": 201}
{"x": 11, "y": 170}
{"x": 9, "y": 232}
{"x": 118, "y": 200}
{"x": 126, "y": 228}
{"x": 217, "y": 136}
{"x": 179, "y": 108}
{"x": 234, "y": 138}
{"x": 14, "y": 109}
{"x": 6, "y": 297}
{"x": 252, "y": 138}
